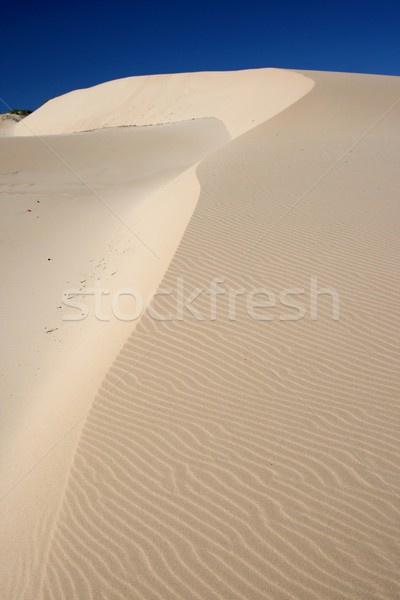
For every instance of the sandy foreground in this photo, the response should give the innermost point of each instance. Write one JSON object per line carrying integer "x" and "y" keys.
{"x": 207, "y": 450}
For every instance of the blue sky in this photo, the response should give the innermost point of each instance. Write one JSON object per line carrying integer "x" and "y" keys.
{"x": 47, "y": 49}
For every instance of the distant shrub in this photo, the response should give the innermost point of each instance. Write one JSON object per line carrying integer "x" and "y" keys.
{"x": 21, "y": 112}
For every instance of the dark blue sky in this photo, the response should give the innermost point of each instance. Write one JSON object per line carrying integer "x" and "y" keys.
{"x": 47, "y": 49}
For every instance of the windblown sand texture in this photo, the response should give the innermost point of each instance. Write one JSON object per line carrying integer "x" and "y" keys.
{"x": 213, "y": 459}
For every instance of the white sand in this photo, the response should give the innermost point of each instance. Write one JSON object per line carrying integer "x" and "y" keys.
{"x": 222, "y": 459}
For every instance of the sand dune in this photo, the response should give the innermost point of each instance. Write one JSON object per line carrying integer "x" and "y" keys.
{"x": 240, "y": 99}
{"x": 220, "y": 458}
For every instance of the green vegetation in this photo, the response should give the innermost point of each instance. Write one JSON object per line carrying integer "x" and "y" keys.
{"x": 21, "y": 112}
